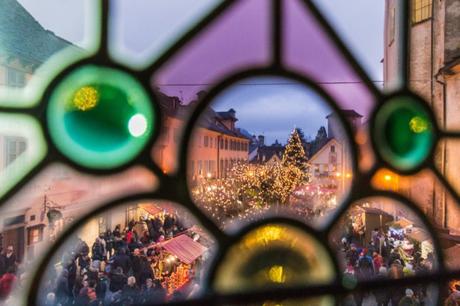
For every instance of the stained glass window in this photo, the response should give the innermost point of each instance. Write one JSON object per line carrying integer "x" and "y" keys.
{"x": 227, "y": 153}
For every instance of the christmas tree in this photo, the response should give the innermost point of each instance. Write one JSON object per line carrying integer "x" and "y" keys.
{"x": 294, "y": 154}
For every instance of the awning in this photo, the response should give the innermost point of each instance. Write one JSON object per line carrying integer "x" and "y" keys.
{"x": 185, "y": 248}
{"x": 151, "y": 209}
{"x": 419, "y": 234}
{"x": 156, "y": 208}
{"x": 373, "y": 210}
{"x": 401, "y": 223}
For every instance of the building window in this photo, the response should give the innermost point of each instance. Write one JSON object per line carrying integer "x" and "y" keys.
{"x": 421, "y": 10}
{"x": 32, "y": 218}
{"x": 332, "y": 149}
{"x": 212, "y": 167}
{"x": 392, "y": 25}
{"x": 131, "y": 213}
{"x": 14, "y": 146}
{"x": 34, "y": 234}
{"x": 200, "y": 167}
{"x": 206, "y": 141}
{"x": 15, "y": 78}
{"x": 221, "y": 141}
{"x": 226, "y": 144}
{"x": 206, "y": 166}
{"x": 103, "y": 225}
{"x": 221, "y": 170}
{"x": 14, "y": 220}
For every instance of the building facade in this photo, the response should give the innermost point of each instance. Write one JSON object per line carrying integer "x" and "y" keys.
{"x": 330, "y": 161}
{"x": 434, "y": 73}
{"x": 217, "y": 144}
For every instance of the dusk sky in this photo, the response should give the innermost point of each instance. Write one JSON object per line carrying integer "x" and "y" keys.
{"x": 263, "y": 107}
{"x": 143, "y": 28}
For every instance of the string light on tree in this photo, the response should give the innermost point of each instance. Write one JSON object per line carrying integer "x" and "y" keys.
{"x": 294, "y": 154}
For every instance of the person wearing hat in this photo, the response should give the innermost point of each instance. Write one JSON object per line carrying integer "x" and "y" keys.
{"x": 409, "y": 299}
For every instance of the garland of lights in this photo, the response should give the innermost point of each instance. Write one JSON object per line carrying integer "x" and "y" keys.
{"x": 250, "y": 189}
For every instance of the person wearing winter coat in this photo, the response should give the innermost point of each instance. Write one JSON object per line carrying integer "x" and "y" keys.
{"x": 98, "y": 250}
{"x": 7, "y": 282}
{"x": 409, "y": 299}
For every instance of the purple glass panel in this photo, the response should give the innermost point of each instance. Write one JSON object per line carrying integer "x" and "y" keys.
{"x": 309, "y": 51}
{"x": 238, "y": 39}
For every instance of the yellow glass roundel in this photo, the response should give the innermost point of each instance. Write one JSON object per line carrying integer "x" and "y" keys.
{"x": 100, "y": 117}
{"x": 275, "y": 255}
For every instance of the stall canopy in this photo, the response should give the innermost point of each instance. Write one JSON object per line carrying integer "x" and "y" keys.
{"x": 151, "y": 209}
{"x": 419, "y": 234}
{"x": 401, "y": 223}
{"x": 156, "y": 208}
{"x": 185, "y": 248}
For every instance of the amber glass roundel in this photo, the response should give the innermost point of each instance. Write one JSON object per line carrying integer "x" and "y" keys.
{"x": 100, "y": 117}
{"x": 403, "y": 133}
{"x": 274, "y": 255}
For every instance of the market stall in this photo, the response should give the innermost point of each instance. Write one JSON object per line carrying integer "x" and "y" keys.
{"x": 400, "y": 226}
{"x": 423, "y": 237}
{"x": 178, "y": 258}
{"x": 365, "y": 219}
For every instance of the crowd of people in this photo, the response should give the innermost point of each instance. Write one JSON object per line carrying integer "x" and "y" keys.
{"x": 121, "y": 268}
{"x": 383, "y": 257}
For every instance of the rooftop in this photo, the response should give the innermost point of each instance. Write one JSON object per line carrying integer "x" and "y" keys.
{"x": 21, "y": 36}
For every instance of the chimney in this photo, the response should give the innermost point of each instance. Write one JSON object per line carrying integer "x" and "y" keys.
{"x": 261, "y": 140}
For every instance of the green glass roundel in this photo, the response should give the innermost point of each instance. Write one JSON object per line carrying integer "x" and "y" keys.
{"x": 404, "y": 133}
{"x": 100, "y": 117}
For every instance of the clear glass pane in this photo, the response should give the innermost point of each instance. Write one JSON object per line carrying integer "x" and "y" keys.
{"x": 146, "y": 251}
{"x": 22, "y": 148}
{"x": 380, "y": 238}
{"x": 131, "y": 43}
{"x": 38, "y": 214}
{"x": 269, "y": 145}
